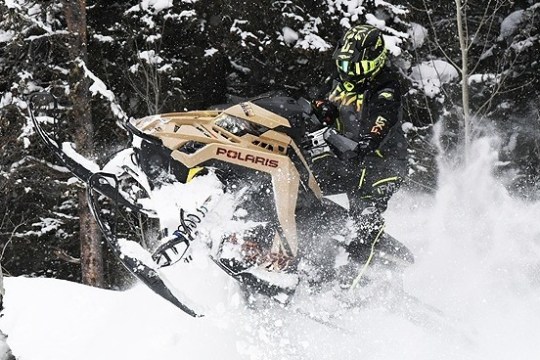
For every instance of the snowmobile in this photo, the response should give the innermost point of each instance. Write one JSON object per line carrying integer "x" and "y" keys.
{"x": 258, "y": 152}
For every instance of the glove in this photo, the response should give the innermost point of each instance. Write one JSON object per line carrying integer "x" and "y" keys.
{"x": 325, "y": 111}
{"x": 366, "y": 145}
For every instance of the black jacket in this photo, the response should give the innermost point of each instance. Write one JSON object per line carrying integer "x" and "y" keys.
{"x": 372, "y": 110}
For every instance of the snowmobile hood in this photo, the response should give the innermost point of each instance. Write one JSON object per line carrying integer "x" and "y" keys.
{"x": 247, "y": 111}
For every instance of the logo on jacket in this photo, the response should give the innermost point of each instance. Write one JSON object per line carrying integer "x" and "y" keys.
{"x": 380, "y": 124}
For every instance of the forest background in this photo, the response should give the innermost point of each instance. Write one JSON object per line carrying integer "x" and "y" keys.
{"x": 472, "y": 68}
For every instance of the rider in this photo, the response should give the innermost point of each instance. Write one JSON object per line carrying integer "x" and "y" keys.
{"x": 364, "y": 105}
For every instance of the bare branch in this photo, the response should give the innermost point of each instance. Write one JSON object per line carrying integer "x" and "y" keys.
{"x": 10, "y": 239}
{"x": 499, "y": 5}
{"x": 61, "y": 254}
{"x": 481, "y": 24}
{"x": 147, "y": 83}
{"x": 436, "y": 37}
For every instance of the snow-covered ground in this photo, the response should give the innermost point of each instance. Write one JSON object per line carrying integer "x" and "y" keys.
{"x": 477, "y": 260}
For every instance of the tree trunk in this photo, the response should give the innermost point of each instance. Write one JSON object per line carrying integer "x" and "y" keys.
{"x": 464, "y": 48}
{"x": 91, "y": 251}
{"x": 2, "y": 291}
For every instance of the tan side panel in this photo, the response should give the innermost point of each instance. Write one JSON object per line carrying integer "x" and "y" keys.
{"x": 286, "y": 183}
{"x": 283, "y": 139}
{"x": 312, "y": 182}
{"x": 285, "y": 179}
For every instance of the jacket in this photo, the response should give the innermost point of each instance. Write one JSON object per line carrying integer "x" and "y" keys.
{"x": 372, "y": 110}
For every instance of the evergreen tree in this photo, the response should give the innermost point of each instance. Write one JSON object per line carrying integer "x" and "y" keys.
{"x": 171, "y": 56}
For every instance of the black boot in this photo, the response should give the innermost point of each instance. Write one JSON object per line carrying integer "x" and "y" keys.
{"x": 369, "y": 228}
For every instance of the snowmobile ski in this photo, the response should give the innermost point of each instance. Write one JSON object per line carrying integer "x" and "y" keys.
{"x": 137, "y": 267}
{"x": 321, "y": 321}
{"x": 76, "y": 167}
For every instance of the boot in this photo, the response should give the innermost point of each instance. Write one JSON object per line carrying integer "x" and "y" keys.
{"x": 369, "y": 227}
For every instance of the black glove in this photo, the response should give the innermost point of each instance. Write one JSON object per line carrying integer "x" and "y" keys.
{"x": 366, "y": 145}
{"x": 325, "y": 111}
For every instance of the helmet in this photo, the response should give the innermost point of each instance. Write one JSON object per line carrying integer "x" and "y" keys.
{"x": 360, "y": 54}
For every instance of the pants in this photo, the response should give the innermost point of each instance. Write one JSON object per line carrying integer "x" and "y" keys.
{"x": 369, "y": 186}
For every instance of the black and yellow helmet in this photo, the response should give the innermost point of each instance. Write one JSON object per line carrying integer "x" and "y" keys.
{"x": 360, "y": 54}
